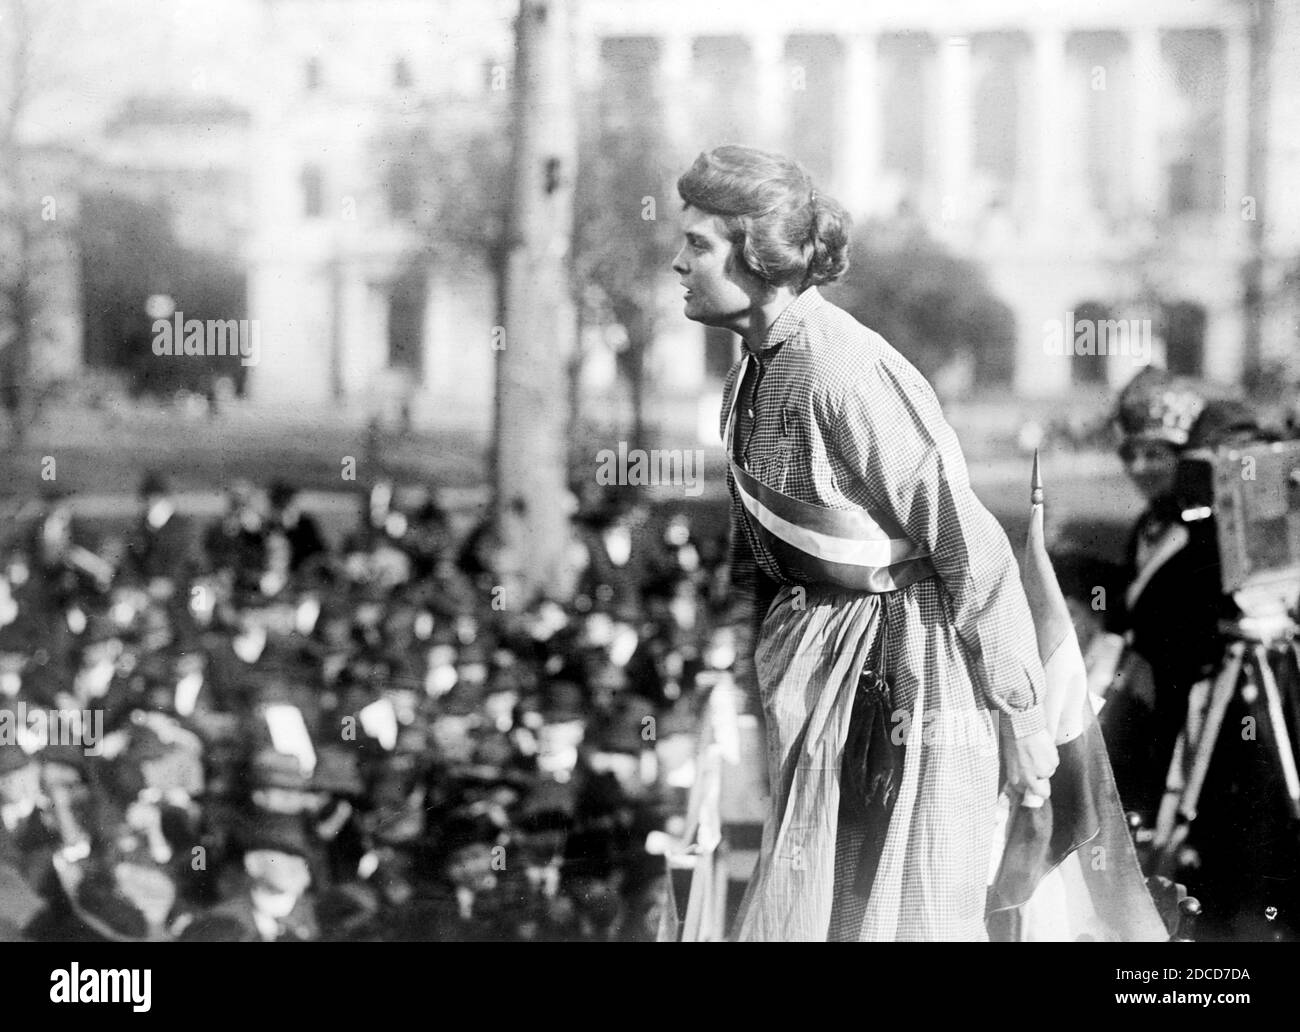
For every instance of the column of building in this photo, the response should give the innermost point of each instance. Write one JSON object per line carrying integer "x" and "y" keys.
{"x": 772, "y": 85}
{"x": 1146, "y": 173}
{"x": 858, "y": 151}
{"x": 954, "y": 134}
{"x": 1225, "y": 329}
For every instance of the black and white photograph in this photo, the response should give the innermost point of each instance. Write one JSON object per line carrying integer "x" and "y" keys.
{"x": 614, "y": 471}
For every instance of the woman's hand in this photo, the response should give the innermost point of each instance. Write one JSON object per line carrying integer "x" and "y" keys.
{"x": 1031, "y": 761}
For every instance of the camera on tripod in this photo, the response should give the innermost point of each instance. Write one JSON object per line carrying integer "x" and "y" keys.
{"x": 1253, "y": 492}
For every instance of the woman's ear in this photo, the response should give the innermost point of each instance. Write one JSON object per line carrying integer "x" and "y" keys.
{"x": 758, "y": 289}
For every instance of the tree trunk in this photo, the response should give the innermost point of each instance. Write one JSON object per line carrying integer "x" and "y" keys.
{"x": 638, "y": 344}
{"x": 1252, "y": 273}
{"x": 539, "y": 322}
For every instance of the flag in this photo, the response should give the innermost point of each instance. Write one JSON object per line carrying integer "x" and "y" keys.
{"x": 698, "y": 850}
{"x": 1068, "y": 870}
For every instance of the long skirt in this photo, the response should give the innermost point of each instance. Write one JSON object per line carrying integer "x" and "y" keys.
{"x": 931, "y": 882}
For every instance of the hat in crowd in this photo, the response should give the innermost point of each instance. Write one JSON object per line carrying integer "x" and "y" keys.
{"x": 1221, "y": 422}
{"x": 280, "y": 833}
{"x": 463, "y": 829}
{"x": 281, "y": 493}
{"x": 681, "y": 719}
{"x": 19, "y": 902}
{"x": 153, "y": 485}
{"x": 217, "y": 928}
{"x": 344, "y": 911}
{"x": 564, "y": 700}
{"x": 108, "y": 912}
{"x": 68, "y": 755}
{"x": 549, "y": 800}
{"x": 1156, "y": 406}
{"x": 622, "y": 733}
{"x": 336, "y": 772}
{"x": 271, "y": 769}
{"x": 169, "y": 757}
{"x": 13, "y": 757}
{"x": 146, "y": 744}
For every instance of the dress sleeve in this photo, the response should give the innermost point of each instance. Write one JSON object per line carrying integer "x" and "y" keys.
{"x": 750, "y": 593}
{"x": 892, "y": 436}
{"x": 749, "y": 590}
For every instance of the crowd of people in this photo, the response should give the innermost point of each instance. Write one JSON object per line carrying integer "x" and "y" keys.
{"x": 252, "y": 730}
{"x": 249, "y": 733}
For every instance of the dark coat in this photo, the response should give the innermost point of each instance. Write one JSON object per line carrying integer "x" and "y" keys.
{"x": 170, "y": 551}
{"x": 1172, "y": 607}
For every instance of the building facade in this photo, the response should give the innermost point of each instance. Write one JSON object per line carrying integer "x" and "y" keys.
{"x": 1108, "y": 161}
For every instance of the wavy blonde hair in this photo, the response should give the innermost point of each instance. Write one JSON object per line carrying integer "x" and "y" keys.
{"x": 784, "y": 230}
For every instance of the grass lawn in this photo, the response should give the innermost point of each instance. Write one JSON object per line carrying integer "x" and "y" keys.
{"x": 100, "y": 458}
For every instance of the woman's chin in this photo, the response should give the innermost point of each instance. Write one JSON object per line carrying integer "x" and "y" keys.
{"x": 693, "y": 310}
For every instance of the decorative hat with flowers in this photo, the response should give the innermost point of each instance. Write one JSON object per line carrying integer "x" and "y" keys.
{"x": 1157, "y": 406}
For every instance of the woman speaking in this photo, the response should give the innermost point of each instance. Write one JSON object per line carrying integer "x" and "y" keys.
{"x": 886, "y": 639}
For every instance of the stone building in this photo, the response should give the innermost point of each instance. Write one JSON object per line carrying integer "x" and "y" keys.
{"x": 1103, "y": 161}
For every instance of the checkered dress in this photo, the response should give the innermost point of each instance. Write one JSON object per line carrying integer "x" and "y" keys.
{"x": 838, "y": 418}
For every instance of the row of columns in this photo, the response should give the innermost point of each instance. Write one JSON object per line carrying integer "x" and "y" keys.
{"x": 859, "y": 139}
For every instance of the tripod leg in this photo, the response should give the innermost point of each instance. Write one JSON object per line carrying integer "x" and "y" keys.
{"x": 1225, "y": 686}
{"x": 1278, "y": 726}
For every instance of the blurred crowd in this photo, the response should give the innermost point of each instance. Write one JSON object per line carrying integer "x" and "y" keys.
{"x": 254, "y": 730}
{"x": 248, "y": 732}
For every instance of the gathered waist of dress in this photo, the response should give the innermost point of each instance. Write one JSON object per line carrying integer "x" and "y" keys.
{"x": 849, "y": 549}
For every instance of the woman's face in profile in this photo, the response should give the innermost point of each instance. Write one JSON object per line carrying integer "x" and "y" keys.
{"x": 719, "y": 291}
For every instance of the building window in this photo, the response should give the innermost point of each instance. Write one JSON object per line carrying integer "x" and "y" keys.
{"x": 402, "y": 189}
{"x": 1090, "y": 369}
{"x": 313, "y": 192}
{"x": 406, "y": 306}
{"x": 722, "y": 86}
{"x": 905, "y": 103}
{"x": 998, "y": 101}
{"x": 402, "y": 78}
{"x": 1185, "y": 338}
{"x": 628, "y": 76}
{"x": 1104, "y": 97}
{"x": 1193, "y": 145}
{"x": 816, "y": 89}
{"x": 311, "y": 75}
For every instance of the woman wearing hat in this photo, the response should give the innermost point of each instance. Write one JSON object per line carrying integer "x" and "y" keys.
{"x": 863, "y": 557}
{"x": 1173, "y": 601}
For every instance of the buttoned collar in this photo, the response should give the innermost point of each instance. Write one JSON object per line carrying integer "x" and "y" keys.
{"x": 788, "y": 321}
